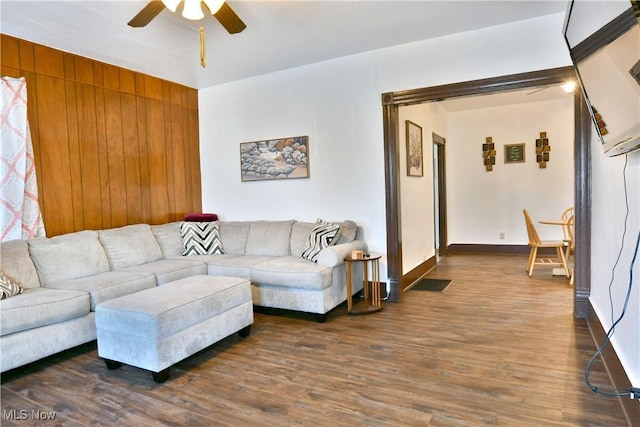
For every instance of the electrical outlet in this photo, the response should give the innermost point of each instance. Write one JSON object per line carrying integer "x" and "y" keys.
{"x": 502, "y": 235}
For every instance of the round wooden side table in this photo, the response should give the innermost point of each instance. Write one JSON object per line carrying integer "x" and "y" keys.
{"x": 371, "y": 285}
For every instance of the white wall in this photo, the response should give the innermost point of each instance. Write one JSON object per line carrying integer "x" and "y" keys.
{"x": 616, "y": 208}
{"x": 609, "y": 221}
{"x": 417, "y": 193}
{"x": 338, "y": 104}
{"x": 533, "y": 44}
{"x": 482, "y": 204}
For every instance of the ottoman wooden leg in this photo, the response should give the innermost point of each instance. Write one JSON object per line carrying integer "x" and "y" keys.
{"x": 244, "y": 332}
{"x": 112, "y": 364}
{"x": 161, "y": 376}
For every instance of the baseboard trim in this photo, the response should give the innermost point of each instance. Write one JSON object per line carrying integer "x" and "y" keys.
{"x": 419, "y": 271}
{"x": 614, "y": 368}
{"x": 496, "y": 249}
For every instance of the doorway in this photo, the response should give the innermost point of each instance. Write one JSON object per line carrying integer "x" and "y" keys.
{"x": 439, "y": 195}
{"x": 392, "y": 101}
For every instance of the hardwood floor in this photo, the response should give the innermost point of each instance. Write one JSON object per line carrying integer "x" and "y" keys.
{"x": 496, "y": 348}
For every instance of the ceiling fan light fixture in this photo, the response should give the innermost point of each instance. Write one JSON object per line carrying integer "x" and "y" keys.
{"x": 214, "y": 5}
{"x": 192, "y": 10}
{"x": 172, "y": 5}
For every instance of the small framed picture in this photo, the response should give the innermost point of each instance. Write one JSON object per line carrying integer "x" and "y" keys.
{"x": 514, "y": 153}
{"x": 415, "y": 165}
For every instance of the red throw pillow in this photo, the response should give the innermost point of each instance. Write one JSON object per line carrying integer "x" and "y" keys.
{"x": 200, "y": 217}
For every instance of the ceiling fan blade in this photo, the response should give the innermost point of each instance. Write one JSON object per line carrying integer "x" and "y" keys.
{"x": 229, "y": 20}
{"x": 150, "y": 11}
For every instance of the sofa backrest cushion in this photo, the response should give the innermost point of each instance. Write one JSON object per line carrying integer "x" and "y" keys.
{"x": 68, "y": 256}
{"x": 269, "y": 238}
{"x": 17, "y": 264}
{"x": 130, "y": 245}
{"x": 168, "y": 238}
{"x": 234, "y": 236}
{"x": 299, "y": 233}
{"x": 348, "y": 230}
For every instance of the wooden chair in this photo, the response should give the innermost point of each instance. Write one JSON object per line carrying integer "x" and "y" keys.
{"x": 535, "y": 243}
{"x": 568, "y": 213}
{"x": 571, "y": 244}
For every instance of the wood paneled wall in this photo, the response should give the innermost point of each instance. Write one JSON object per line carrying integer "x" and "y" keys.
{"x": 112, "y": 146}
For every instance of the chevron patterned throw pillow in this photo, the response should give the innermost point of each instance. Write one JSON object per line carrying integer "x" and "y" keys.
{"x": 323, "y": 235}
{"x": 8, "y": 287}
{"x": 201, "y": 238}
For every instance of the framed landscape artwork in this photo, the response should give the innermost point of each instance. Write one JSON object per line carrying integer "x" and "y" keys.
{"x": 414, "y": 149}
{"x": 271, "y": 159}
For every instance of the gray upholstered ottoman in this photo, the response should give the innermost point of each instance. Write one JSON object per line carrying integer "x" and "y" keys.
{"x": 156, "y": 328}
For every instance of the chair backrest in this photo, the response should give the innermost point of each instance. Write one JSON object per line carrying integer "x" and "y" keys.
{"x": 534, "y": 239}
{"x": 568, "y": 213}
{"x": 571, "y": 231}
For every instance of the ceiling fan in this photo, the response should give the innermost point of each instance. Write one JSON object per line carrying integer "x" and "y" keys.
{"x": 192, "y": 9}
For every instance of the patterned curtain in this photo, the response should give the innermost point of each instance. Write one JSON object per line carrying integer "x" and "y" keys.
{"x": 20, "y": 216}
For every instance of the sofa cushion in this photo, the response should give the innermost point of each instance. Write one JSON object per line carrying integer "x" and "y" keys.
{"x": 8, "y": 286}
{"x": 233, "y": 265}
{"x": 348, "y": 230}
{"x": 17, "y": 264}
{"x": 168, "y": 238}
{"x": 269, "y": 238}
{"x": 130, "y": 245}
{"x": 291, "y": 272}
{"x": 168, "y": 270}
{"x": 323, "y": 235}
{"x": 234, "y": 236}
{"x": 68, "y": 256}
{"x": 40, "y": 307}
{"x": 201, "y": 238}
{"x": 299, "y": 233}
{"x": 105, "y": 286}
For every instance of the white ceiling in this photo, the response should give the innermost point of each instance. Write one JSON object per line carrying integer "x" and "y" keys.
{"x": 279, "y": 34}
{"x": 504, "y": 98}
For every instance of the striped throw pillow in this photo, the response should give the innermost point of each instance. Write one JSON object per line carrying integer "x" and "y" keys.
{"x": 8, "y": 287}
{"x": 201, "y": 238}
{"x": 323, "y": 235}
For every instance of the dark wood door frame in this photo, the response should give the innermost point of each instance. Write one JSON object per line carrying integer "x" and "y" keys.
{"x": 440, "y": 171}
{"x": 392, "y": 101}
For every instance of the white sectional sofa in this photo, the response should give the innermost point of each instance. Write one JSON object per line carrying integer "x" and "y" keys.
{"x": 66, "y": 277}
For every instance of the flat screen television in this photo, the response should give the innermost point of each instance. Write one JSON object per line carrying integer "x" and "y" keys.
{"x": 604, "y": 43}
